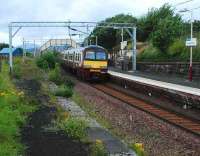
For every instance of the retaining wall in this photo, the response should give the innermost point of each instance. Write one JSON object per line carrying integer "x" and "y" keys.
{"x": 179, "y": 68}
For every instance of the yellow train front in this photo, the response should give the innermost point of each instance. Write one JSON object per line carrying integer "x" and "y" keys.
{"x": 89, "y": 62}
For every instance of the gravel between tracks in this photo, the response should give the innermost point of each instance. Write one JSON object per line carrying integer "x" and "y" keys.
{"x": 159, "y": 137}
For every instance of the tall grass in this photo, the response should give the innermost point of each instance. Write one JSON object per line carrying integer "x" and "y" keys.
{"x": 13, "y": 113}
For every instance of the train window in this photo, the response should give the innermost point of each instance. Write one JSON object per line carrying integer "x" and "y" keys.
{"x": 90, "y": 55}
{"x": 100, "y": 55}
{"x": 79, "y": 57}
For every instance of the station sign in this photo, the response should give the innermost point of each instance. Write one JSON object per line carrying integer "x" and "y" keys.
{"x": 191, "y": 42}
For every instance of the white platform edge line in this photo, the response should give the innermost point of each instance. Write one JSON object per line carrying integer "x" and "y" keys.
{"x": 166, "y": 85}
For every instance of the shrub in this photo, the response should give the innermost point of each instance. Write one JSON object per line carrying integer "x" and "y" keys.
{"x": 177, "y": 49}
{"x": 151, "y": 54}
{"x": 55, "y": 75}
{"x": 47, "y": 60}
{"x": 64, "y": 91}
{"x": 69, "y": 82}
{"x": 74, "y": 128}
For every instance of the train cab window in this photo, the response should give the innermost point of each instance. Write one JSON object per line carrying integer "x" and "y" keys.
{"x": 100, "y": 56}
{"x": 90, "y": 55}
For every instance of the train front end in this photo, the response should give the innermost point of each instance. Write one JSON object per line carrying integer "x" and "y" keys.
{"x": 95, "y": 62}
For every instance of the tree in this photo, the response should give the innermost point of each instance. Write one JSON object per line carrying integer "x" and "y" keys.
{"x": 168, "y": 29}
{"x": 3, "y": 45}
{"x": 158, "y": 24}
{"x": 108, "y": 37}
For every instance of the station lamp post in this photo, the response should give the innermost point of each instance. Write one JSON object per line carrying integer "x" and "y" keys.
{"x": 191, "y": 38}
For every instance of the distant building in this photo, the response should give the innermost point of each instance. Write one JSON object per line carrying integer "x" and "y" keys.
{"x": 15, "y": 52}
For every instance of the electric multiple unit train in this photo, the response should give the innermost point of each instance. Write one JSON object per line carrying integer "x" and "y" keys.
{"x": 87, "y": 62}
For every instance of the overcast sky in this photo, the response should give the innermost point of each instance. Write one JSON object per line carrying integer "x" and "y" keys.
{"x": 74, "y": 10}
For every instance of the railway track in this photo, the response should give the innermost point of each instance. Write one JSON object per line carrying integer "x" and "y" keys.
{"x": 171, "y": 117}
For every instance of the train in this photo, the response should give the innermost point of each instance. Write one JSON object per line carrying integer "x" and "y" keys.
{"x": 90, "y": 62}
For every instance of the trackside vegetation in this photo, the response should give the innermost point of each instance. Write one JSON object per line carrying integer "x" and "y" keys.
{"x": 162, "y": 29}
{"x": 74, "y": 127}
{"x": 14, "y": 110}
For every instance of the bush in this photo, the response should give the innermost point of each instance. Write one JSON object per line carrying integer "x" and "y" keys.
{"x": 68, "y": 82}
{"x": 64, "y": 91}
{"x": 151, "y": 54}
{"x": 55, "y": 75}
{"x": 47, "y": 60}
{"x": 74, "y": 128}
{"x": 178, "y": 50}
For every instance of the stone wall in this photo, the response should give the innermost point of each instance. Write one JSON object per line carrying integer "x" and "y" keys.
{"x": 179, "y": 68}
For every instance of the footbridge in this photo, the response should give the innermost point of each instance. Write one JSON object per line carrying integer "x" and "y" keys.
{"x": 59, "y": 44}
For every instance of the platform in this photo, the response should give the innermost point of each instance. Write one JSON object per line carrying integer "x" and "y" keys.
{"x": 161, "y": 84}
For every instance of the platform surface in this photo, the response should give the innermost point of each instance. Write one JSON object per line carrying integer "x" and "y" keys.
{"x": 161, "y": 84}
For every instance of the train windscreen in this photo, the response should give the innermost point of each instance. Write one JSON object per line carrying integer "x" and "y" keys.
{"x": 98, "y": 55}
{"x": 90, "y": 55}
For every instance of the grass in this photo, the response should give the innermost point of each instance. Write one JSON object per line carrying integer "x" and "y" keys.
{"x": 98, "y": 149}
{"x": 13, "y": 114}
{"x": 75, "y": 128}
{"x": 64, "y": 91}
{"x": 26, "y": 69}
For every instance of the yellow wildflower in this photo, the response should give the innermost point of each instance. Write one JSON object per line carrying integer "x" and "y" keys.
{"x": 139, "y": 146}
{"x": 98, "y": 141}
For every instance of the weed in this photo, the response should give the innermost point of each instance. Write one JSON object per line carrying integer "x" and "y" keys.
{"x": 98, "y": 149}
{"x": 13, "y": 114}
{"x": 55, "y": 75}
{"x": 74, "y": 128}
{"x": 64, "y": 91}
{"x": 139, "y": 149}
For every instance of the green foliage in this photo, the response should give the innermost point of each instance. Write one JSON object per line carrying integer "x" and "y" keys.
{"x": 13, "y": 114}
{"x": 3, "y": 45}
{"x": 69, "y": 82}
{"x": 138, "y": 148}
{"x": 98, "y": 149}
{"x": 161, "y": 26}
{"x": 167, "y": 30}
{"x": 74, "y": 128}
{"x": 26, "y": 69}
{"x": 151, "y": 54}
{"x": 64, "y": 91}
{"x": 55, "y": 75}
{"x": 47, "y": 60}
{"x": 17, "y": 72}
{"x": 177, "y": 49}
{"x": 108, "y": 37}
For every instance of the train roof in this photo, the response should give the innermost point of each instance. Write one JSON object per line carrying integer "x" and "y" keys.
{"x": 87, "y": 47}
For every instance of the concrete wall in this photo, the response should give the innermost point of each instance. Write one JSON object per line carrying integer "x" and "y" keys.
{"x": 179, "y": 68}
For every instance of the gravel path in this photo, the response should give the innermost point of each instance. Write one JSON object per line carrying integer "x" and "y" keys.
{"x": 95, "y": 131}
{"x": 159, "y": 137}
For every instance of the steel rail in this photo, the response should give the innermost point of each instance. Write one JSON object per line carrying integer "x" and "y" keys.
{"x": 165, "y": 115}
